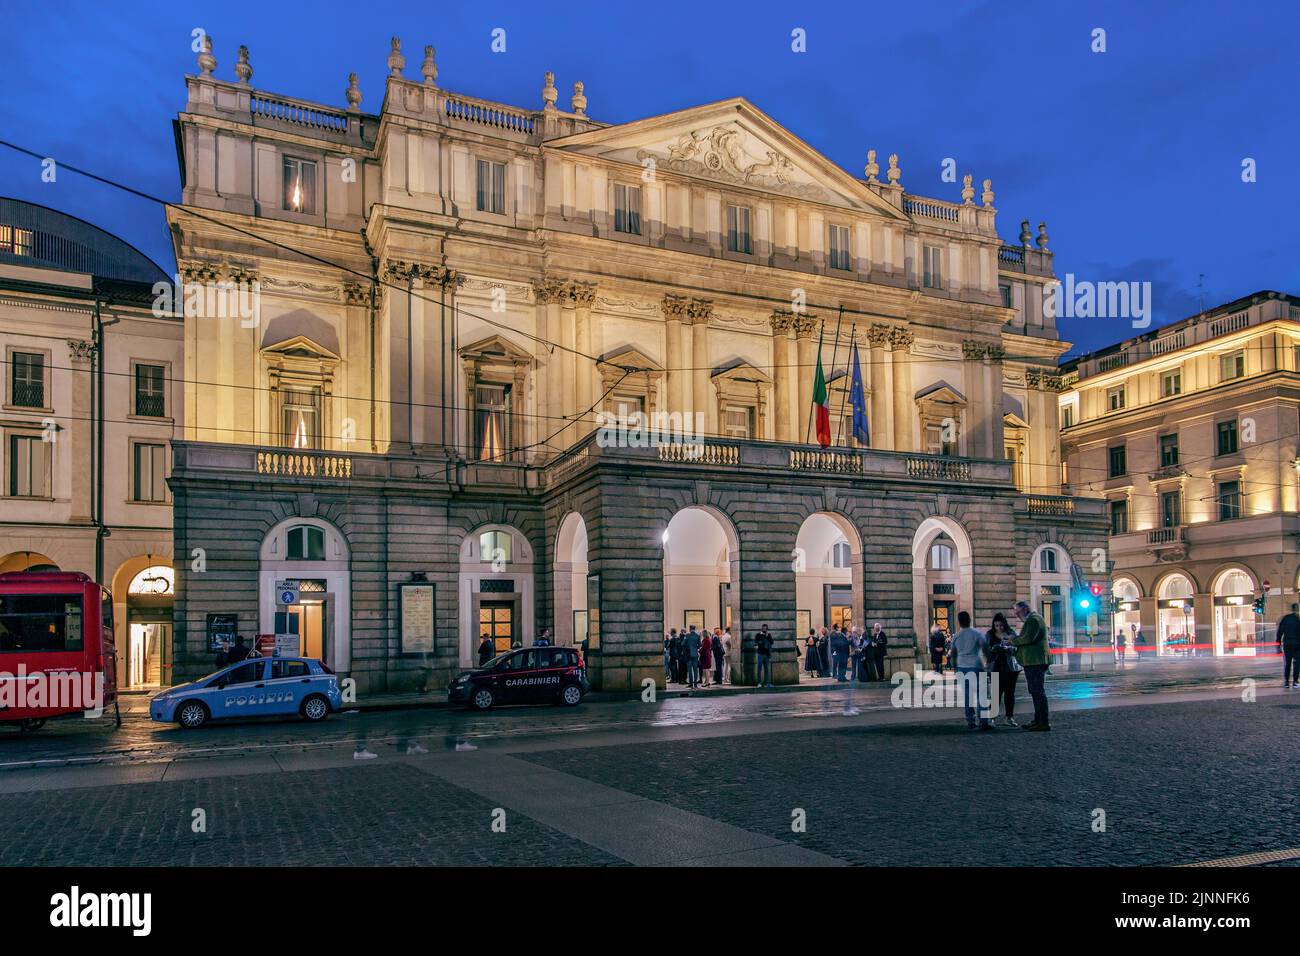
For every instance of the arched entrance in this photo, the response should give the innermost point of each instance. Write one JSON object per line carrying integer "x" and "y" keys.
{"x": 314, "y": 553}
{"x": 27, "y": 561}
{"x": 702, "y": 575}
{"x": 943, "y": 581}
{"x": 496, "y": 591}
{"x": 1234, "y": 613}
{"x": 569, "y": 580}
{"x": 1128, "y": 618}
{"x": 1176, "y": 620}
{"x": 143, "y": 593}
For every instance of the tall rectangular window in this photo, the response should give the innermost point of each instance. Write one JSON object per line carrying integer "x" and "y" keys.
{"x": 627, "y": 209}
{"x": 490, "y": 186}
{"x": 492, "y": 422}
{"x": 738, "y": 235}
{"x": 738, "y": 421}
{"x": 28, "y": 381}
{"x": 149, "y": 472}
{"x": 1171, "y": 509}
{"x": 933, "y": 273}
{"x": 839, "y": 247}
{"x": 1168, "y": 450}
{"x": 1229, "y": 500}
{"x": 150, "y": 395}
{"x": 1118, "y": 461}
{"x": 300, "y": 417}
{"x": 300, "y": 185}
{"x": 1232, "y": 365}
{"x": 27, "y": 467}
{"x": 1171, "y": 383}
{"x": 1067, "y": 416}
{"x": 1227, "y": 437}
{"x": 1004, "y": 290}
{"x": 1119, "y": 517}
{"x": 1116, "y": 399}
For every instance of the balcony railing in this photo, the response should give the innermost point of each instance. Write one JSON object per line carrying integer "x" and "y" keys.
{"x": 302, "y": 464}
{"x": 1165, "y": 535}
{"x": 482, "y": 113}
{"x": 700, "y": 453}
{"x": 943, "y": 469}
{"x": 1051, "y": 505}
{"x": 297, "y": 113}
{"x": 839, "y": 462}
{"x": 931, "y": 209}
{"x": 1011, "y": 258}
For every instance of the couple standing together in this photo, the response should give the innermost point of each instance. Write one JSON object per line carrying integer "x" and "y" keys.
{"x": 1006, "y": 653}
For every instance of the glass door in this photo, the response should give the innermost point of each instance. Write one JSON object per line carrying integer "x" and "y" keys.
{"x": 496, "y": 621}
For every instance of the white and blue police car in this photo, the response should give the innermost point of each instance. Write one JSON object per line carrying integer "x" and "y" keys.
{"x": 255, "y": 687}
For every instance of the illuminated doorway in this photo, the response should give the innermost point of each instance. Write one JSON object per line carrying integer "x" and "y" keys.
{"x": 496, "y": 621}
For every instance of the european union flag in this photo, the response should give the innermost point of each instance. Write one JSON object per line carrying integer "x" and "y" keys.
{"x": 858, "y": 397}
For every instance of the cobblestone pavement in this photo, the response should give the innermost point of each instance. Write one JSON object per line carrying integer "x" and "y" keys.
{"x": 1178, "y": 783}
{"x": 390, "y": 815}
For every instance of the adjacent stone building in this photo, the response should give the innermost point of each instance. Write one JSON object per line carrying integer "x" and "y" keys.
{"x": 1190, "y": 434}
{"x": 458, "y": 305}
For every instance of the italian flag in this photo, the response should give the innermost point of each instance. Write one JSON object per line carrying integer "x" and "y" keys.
{"x": 821, "y": 401}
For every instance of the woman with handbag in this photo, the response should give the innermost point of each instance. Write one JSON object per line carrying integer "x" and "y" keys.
{"x": 1002, "y": 661}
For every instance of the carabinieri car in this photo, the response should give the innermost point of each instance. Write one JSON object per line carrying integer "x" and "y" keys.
{"x": 534, "y": 675}
{"x": 255, "y": 687}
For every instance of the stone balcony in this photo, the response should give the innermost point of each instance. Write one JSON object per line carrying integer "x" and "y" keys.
{"x": 1207, "y": 540}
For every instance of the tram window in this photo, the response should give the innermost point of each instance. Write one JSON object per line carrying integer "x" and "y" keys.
{"x": 40, "y": 622}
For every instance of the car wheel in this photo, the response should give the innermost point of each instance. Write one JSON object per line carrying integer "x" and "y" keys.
{"x": 571, "y": 696}
{"x": 315, "y": 708}
{"x": 192, "y": 715}
{"x": 30, "y": 724}
{"x": 482, "y": 699}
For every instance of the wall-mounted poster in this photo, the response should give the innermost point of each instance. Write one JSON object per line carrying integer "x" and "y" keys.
{"x": 222, "y": 629}
{"x": 579, "y": 626}
{"x": 416, "y": 615}
{"x": 593, "y": 611}
{"x": 693, "y": 617}
{"x": 802, "y": 623}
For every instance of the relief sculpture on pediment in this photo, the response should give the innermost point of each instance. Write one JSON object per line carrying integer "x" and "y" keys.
{"x": 719, "y": 154}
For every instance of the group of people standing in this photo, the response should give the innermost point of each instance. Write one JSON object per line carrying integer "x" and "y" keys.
{"x": 697, "y": 657}
{"x": 847, "y": 654}
{"x": 1002, "y": 651}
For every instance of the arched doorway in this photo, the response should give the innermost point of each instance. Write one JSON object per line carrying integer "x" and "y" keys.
{"x": 1128, "y": 618}
{"x": 143, "y": 593}
{"x": 569, "y": 580}
{"x": 314, "y": 553}
{"x": 1176, "y": 620}
{"x": 942, "y": 577}
{"x": 27, "y": 561}
{"x": 496, "y": 591}
{"x": 827, "y": 562}
{"x": 702, "y": 575}
{"x": 1234, "y": 613}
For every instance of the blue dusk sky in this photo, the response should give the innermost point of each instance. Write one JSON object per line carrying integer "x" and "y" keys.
{"x": 1133, "y": 156}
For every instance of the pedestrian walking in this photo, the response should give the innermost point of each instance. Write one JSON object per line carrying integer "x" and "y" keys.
{"x": 706, "y": 657}
{"x": 691, "y": 644}
{"x": 1288, "y": 636}
{"x": 763, "y": 648}
{"x": 1003, "y": 663}
{"x": 937, "y": 645}
{"x": 1032, "y": 653}
{"x": 879, "y": 649}
{"x": 970, "y": 657}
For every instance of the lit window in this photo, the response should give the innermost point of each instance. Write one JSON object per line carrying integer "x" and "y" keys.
{"x": 490, "y": 187}
{"x": 933, "y": 256}
{"x": 840, "y": 247}
{"x": 738, "y": 237}
{"x": 149, "y": 472}
{"x": 494, "y": 547}
{"x": 492, "y": 438}
{"x": 627, "y": 209}
{"x": 15, "y": 241}
{"x": 1116, "y": 398}
{"x": 305, "y": 543}
{"x": 1119, "y": 517}
{"x": 300, "y": 417}
{"x": 1229, "y": 500}
{"x": 300, "y": 186}
{"x": 1232, "y": 365}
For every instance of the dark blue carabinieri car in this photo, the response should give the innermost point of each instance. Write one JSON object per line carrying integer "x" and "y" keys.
{"x": 532, "y": 675}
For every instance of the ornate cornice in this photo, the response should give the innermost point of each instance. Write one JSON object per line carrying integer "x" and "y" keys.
{"x": 676, "y": 307}
{"x": 878, "y": 335}
{"x": 900, "y": 340}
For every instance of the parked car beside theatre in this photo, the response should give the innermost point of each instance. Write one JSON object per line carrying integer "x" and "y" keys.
{"x": 256, "y": 687}
{"x": 534, "y": 675}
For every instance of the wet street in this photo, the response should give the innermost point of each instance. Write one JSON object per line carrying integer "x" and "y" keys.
{"x": 1157, "y": 752}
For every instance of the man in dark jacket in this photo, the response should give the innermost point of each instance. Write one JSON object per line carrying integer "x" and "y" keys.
{"x": 485, "y": 651}
{"x": 238, "y": 652}
{"x": 763, "y": 647}
{"x": 1288, "y": 636}
{"x": 840, "y": 648}
{"x": 878, "y": 644}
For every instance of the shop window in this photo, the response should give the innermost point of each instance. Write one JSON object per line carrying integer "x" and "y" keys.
{"x": 627, "y": 209}
{"x": 300, "y": 186}
{"x": 738, "y": 231}
{"x": 490, "y": 186}
{"x": 305, "y": 543}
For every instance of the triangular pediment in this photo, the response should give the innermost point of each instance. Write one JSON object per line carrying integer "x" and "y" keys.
{"x": 742, "y": 372}
{"x": 730, "y": 142}
{"x": 496, "y": 347}
{"x": 631, "y": 358}
{"x": 1011, "y": 420}
{"x": 301, "y": 347}
{"x": 941, "y": 392}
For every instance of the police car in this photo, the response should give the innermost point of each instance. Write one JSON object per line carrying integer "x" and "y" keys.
{"x": 255, "y": 687}
{"x": 533, "y": 675}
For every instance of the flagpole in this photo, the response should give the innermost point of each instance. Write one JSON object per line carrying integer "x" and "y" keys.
{"x": 808, "y": 428}
{"x": 834, "y": 352}
{"x": 848, "y": 374}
